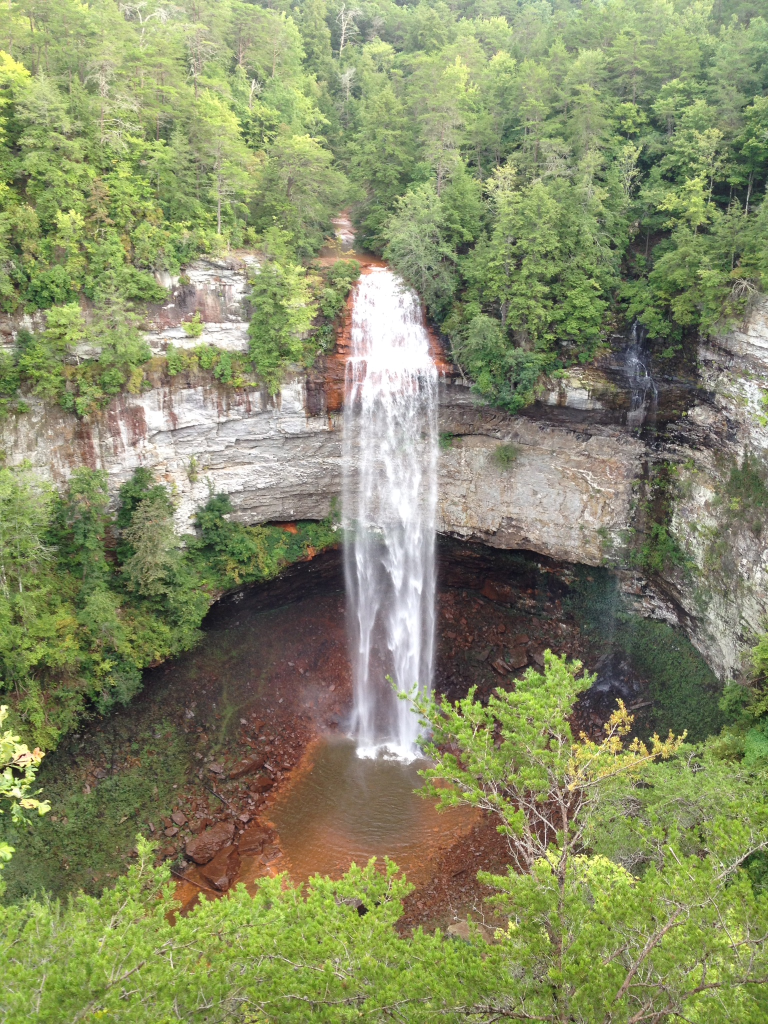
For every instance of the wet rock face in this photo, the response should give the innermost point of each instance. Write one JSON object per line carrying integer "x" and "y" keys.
{"x": 719, "y": 514}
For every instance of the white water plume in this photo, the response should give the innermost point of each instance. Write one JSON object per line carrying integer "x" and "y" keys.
{"x": 390, "y": 496}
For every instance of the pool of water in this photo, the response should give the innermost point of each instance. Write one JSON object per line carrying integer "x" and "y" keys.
{"x": 342, "y": 808}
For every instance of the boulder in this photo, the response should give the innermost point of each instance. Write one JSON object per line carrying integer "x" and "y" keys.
{"x": 518, "y": 658}
{"x": 538, "y": 656}
{"x": 253, "y": 838}
{"x": 499, "y": 593}
{"x": 251, "y": 764}
{"x": 262, "y": 783}
{"x": 198, "y": 826}
{"x": 204, "y": 847}
{"x": 222, "y": 870}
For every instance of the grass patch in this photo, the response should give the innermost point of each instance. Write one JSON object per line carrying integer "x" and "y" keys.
{"x": 505, "y": 455}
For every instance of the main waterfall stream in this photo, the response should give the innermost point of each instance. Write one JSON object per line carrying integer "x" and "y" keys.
{"x": 389, "y": 501}
{"x": 354, "y": 797}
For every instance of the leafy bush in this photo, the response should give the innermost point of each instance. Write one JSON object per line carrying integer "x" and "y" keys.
{"x": 79, "y": 624}
{"x": 649, "y": 855}
{"x": 337, "y": 283}
{"x": 230, "y": 368}
{"x": 293, "y": 309}
{"x": 194, "y": 328}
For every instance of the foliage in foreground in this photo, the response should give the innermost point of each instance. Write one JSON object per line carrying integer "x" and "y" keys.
{"x": 630, "y": 896}
{"x": 18, "y": 768}
{"x": 634, "y": 899}
{"x": 89, "y": 598}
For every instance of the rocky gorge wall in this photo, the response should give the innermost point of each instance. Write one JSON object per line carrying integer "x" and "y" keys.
{"x": 570, "y": 487}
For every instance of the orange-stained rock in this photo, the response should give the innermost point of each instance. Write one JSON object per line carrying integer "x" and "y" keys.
{"x": 334, "y": 366}
{"x": 246, "y": 767}
{"x": 288, "y": 527}
{"x": 253, "y": 838}
{"x": 222, "y": 870}
{"x": 203, "y": 848}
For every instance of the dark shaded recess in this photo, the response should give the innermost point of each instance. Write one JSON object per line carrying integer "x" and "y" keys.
{"x": 637, "y": 654}
{"x": 324, "y": 574}
{"x": 684, "y": 689}
{"x": 520, "y": 576}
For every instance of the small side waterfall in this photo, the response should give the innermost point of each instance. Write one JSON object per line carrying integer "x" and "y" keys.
{"x": 644, "y": 393}
{"x": 389, "y": 501}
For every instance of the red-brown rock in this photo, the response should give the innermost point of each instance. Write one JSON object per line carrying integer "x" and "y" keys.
{"x": 222, "y": 870}
{"x": 253, "y": 838}
{"x": 252, "y": 764}
{"x": 204, "y": 847}
{"x": 500, "y": 593}
{"x": 518, "y": 658}
{"x": 538, "y": 656}
{"x": 262, "y": 783}
{"x": 198, "y": 826}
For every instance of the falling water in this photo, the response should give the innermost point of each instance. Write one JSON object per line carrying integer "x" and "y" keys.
{"x": 390, "y": 492}
{"x": 644, "y": 393}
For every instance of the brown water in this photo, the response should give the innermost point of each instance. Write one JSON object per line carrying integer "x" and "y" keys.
{"x": 343, "y": 809}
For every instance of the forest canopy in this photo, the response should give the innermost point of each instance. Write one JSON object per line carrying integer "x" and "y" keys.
{"x": 540, "y": 172}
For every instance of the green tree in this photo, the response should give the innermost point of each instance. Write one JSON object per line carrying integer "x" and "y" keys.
{"x": 301, "y": 190}
{"x": 151, "y": 568}
{"x": 381, "y": 159}
{"x": 80, "y": 527}
{"x": 589, "y": 938}
{"x": 230, "y": 165}
{"x": 25, "y": 509}
{"x": 418, "y": 247}
{"x": 282, "y": 316}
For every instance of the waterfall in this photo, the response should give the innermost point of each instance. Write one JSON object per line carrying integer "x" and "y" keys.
{"x": 644, "y": 393}
{"x": 389, "y": 501}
